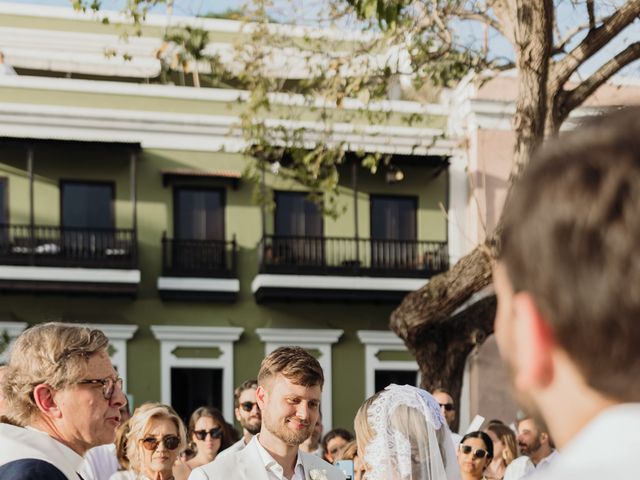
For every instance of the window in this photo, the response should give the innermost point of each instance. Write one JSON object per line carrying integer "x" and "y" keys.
{"x": 199, "y": 243}
{"x": 198, "y": 214}
{"x": 298, "y": 230}
{"x": 194, "y": 387}
{"x": 4, "y": 201}
{"x": 380, "y": 372}
{"x": 87, "y": 205}
{"x": 188, "y": 379}
{"x": 393, "y": 231}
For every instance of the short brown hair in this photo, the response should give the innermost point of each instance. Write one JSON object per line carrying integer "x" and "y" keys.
{"x": 246, "y": 385}
{"x": 294, "y": 363}
{"x": 570, "y": 238}
{"x": 53, "y": 353}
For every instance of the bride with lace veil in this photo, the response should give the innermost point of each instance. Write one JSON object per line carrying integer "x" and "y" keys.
{"x": 401, "y": 435}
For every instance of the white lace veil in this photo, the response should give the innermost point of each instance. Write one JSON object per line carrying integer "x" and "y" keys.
{"x": 411, "y": 440}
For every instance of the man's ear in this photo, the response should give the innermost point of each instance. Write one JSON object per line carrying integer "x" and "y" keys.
{"x": 535, "y": 344}
{"x": 261, "y": 396}
{"x": 44, "y": 398}
{"x": 237, "y": 413}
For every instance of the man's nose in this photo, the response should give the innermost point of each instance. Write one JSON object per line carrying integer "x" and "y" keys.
{"x": 303, "y": 411}
{"x": 119, "y": 399}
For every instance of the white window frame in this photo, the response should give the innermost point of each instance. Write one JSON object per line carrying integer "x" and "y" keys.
{"x": 175, "y": 336}
{"x": 374, "y": 342}
{"x": 13, "y": 329}
{"x": 312, "y": 339}
{"x": 118, "y": 336}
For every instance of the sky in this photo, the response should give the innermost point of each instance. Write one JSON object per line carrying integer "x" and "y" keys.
{"x": 567, "y": 17}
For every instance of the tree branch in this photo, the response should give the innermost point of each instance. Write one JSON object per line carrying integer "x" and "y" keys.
{"x": 559, "y": 48}
{"x": 592, "y": 15}
{"x": 593, "y": 42}
{"x": 578, "y": 95}
{"x": 481, "y": 17}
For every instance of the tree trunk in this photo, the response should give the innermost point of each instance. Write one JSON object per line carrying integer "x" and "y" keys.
{"x": 424, "y": 319}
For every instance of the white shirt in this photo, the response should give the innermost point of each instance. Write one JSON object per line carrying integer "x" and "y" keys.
{"x": 522, "y": 467}
{"x": 607, "y": 448}
{"x": 274, "y": 469}
{"x": 6, "y": 69}
{"x": 19, "y": 443}
{"x": 100, "y": 463}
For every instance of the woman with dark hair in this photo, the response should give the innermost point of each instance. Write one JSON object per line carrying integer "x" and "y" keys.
{"x": 474, "y": 455}
{"x": 209, "y": 434}
{"x": 505, "y": 450}
{"x": 333, "y": 441}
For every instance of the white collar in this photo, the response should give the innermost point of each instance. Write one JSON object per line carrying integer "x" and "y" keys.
{"x": 270, "y": 464}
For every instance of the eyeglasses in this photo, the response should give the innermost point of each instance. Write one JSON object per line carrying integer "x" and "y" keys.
{"x": 214, "y": 432}
{"x": 170, "y": 442}
{"x": 478, "y": 453}
{"x": 108, "y": 385}
{"x": 447, "y": 406}
{"x": 248, "y": 406}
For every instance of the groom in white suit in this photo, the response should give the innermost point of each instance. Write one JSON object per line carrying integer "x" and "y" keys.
{"x": 288, "y": 394}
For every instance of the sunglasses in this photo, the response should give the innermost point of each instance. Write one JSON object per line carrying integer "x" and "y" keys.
{"x": 248, "y": 406}
{"x": 108, "y": 385}
{"x": 447, "y": 406}
{"x": 478, "y": 453}
{"x": 170, "y": 442}
{"x": 214, "y": 432}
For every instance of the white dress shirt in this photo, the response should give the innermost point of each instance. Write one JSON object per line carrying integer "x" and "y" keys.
{"x": 606, "y": 449}
{"x": 522, "y": 467}
{"x": 100, "y": 463}
{"x": 275, "y": 470}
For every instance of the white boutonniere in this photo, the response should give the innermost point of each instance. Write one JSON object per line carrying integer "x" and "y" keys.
{"x": 317, "y": 474}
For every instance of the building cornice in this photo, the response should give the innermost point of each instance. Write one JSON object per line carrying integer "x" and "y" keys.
{"x": 179, "y": 333}
{"x": 293, "y": 336}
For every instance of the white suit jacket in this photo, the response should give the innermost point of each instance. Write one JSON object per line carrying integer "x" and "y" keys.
{"x": 246, "y": 464}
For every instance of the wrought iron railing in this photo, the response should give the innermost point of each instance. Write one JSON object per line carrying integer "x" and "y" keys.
{"x": 351, "y": 256}
{"x": 202, "y": 258}
{"x": 42, "y": 245}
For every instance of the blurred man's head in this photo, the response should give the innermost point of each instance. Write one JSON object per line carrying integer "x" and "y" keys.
{"x": 566, "y": 279}
{"x": 246, "y": 407}
{"x": 533, "y": 440}
{"x": 447, "y": 407}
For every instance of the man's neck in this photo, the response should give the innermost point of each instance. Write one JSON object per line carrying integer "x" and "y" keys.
{"x": 246, "y": 436}
{"x": 286, "y": 455}
{"x": 51, "y": 429}
{"x": 543, "y": 452}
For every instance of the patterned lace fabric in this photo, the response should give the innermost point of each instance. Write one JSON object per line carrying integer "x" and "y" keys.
{"x": 412, "y": 440}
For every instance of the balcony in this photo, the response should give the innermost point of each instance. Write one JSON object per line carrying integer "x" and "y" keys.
{"x": 199, "y": 270}
{"x": 81, "y": 260}
{"x": 345, "y": 268}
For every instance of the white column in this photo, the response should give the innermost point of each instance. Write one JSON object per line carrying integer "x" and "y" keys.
{"x": 458, "y": 244}
{"x": 118, "y": 336}
{"x": 172, "y": 337}
{"x": 312, "y": 339}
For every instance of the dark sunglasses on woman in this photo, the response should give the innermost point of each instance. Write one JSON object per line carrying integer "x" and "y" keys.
{"x": 214, "y": 432}
{"x": 171, "y": 442}
{"x": 478, "y": 453}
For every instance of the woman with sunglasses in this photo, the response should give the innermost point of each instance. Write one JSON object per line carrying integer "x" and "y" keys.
{"x": 156, "y": 436}
{"x": 209, "y": 434}
{"x": 474, "y": 455}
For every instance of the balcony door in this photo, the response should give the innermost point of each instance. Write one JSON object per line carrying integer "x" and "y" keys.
{"x": 87, "y": 219}
{"x": 298, "y": 230}
{"x": 199, "y": 235}
{"x": 393, "y": 232}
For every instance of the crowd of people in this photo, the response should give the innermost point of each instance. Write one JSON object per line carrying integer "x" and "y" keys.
{"x": 566, "y": 324}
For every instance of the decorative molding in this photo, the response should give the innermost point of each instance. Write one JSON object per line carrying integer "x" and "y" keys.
{"x": 329, "y": 282}
{"x": 316, "y": 339}
{"x": 374, "y": 342}
{"x": 199, "y": 284}
{"x": 172, "y": 337}
{"x": 67, "y": 274}
{"x": 118, "y": 336}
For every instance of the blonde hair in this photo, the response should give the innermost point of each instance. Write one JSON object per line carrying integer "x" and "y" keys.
{"x": 508, "y": 438}
{"x": 121, "y": 445}
{"x": 51, "y": 353}
{"x": 139, "y": 424}
{"x": 364, "y": 432}
{"x": 295, "y": 364}
{"x": 348, "y": 452}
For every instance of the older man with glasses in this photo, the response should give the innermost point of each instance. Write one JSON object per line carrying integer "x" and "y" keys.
{"x": 61, "y": 387}
{"x": 247, "y": 413}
